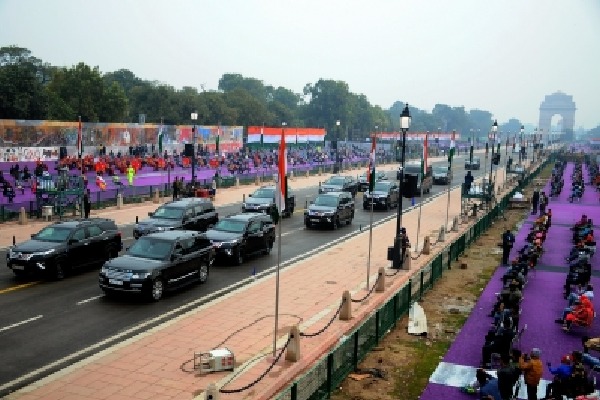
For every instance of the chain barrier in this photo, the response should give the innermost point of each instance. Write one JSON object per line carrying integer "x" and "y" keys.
{"x": 419, "y": 255}
{"x": 369, "y": 293}
{"x": 183, "y": 367}
{"x": 394, "y": 273}
{"x": 323, "y": 329}
{"x": 254, "y": 382}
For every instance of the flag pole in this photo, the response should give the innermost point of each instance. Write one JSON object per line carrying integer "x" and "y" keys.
{"x": 371, "y": 180}
{"x": 281, "y": 196}
{"x": 450, "y": 156}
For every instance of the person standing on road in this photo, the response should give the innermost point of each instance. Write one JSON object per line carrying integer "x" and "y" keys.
{"x": 175, "y": 189}
{"x": 87, "y": 205}
{"x": 405, "y": 243}
{"x": 468, "y": 182}
{"x": 508, "y": 240}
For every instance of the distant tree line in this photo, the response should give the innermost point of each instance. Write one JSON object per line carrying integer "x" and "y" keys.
{"x": 34, "y": 90}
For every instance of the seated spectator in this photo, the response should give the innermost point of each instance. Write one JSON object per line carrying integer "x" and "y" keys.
{"x": 560, "y": 381}
{"x": 8, "y": 191}
{"x": 583, "y": 315}
{"x": 587, "y": 291}
{"x": 488, "y": 386}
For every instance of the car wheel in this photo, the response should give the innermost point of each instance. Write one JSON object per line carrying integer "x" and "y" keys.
{"x": 269, "y": 247}
{"x": 203, "y": 272}
{"x": 388, "y": 205}
{"x": 157, "y": 289}
{"x": 308, "y": 225}
{"x": 18, "y": 274}
{"x": 239, "y": 256}
{"x": 335, "y": 223}
{"x": 59, "y": 272}
{"x": 109, "y": 293}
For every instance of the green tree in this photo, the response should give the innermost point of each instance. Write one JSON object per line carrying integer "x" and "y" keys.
{"x": 22, "y": 78}
{"x": 330, "y": 101}
{"x": 113, "y": 104}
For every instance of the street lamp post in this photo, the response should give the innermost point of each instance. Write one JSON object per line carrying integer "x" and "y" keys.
{"x": 397, "y": 261}
{"x": 472, "y": 144}
{"x": 521, "y": 145}
{"x": 336, "y": 165}
{"x": 493, "y": 137}
{"x": 194, "y": 117}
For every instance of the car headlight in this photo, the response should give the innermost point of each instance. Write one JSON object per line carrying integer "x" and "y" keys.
{"x": 104, "y": 270}
{"x": 43, "y": 253}
{"x": 140, "y": 275}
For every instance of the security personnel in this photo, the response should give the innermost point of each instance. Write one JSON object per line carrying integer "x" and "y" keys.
{"x": 508, "y": 240}
{"x": 405, "y": 242}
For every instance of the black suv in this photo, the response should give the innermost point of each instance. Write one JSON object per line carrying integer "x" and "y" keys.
{"x": 363, "y": 182}
{"x": 339, "y": 183}
{"x": 241, "y": 235}
{"x": 263, "y": 200}
{"x": 330, "y": 209}
{"x": 194, "y": 214}
{"x": 385, "y": 195}
{"x": 66, "y": 245}
{"x": 158, "y": 262}
{"x": 475, "y": 164}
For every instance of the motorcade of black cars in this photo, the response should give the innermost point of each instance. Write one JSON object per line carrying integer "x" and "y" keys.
{"x": 241, "y": 235}
{"x": 159, "y": 262}
{"x": 192, "y": 213}
{"x": 441, "y": 174}
{"x": 385, "y": 195}
{"x": 473, "y": 165}
{"x": 64, "y": 246}
{"x": 424, "y": 183}
{"x": 363, "y": 183}
{"x": 339, "y": 183}
{"x": 263, "y": 200}
{"x": 330, "y": 209}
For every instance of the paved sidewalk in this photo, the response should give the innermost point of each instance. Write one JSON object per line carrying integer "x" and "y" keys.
{"x": 148, "y": 366}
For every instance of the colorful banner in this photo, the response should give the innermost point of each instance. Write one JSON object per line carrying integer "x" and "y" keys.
{"x": 18, "y": 154}
{"x": 414, "y": 135}
{"x": 264, "y": 134}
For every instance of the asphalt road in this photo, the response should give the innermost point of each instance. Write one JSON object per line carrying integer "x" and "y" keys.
{"x": 45, "y": 326}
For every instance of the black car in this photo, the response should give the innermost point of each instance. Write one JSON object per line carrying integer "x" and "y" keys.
{"x": 330, "y": 209}
{"x": 363, "y": 184}
{"x": 441, "y": 174}
{"x": 339, "y": 183}
{"x": 475, "y": 164}
{"x": 65, "y": 246}
{"x": 385, "y": 195}
{"x": 263, "y": 200}
{"x": 194, "y": 214}
{"x": 241, "y": 235}
{"x": 159, "y": 262}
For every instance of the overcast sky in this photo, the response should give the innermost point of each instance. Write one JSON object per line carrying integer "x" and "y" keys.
{"x": 503, "y": 56}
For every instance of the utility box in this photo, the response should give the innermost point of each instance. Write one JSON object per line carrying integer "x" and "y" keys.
{"x": 214, "y": 361}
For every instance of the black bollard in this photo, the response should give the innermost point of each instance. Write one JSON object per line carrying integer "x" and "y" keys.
{"x": 136, "y": 219}
{"x": 14, "y": 240}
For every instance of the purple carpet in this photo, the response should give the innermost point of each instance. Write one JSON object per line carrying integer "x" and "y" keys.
{"x": 543, "y": 301}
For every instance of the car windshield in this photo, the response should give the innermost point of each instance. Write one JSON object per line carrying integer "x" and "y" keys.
{"x": 230, "y": 225}
{"x": 381, "y": 187}
{"x": 151, "y": 248}
{"x": 326, "y": 201}
{"x": 168, "y": 213}
{"x": 264, "y": 193}
{"x": 441, "y": 169}
{"x": 53, "y": 234}
{"x": 475, "y": 159}
{"x": 412, "y": 169}
{"x": 335, "y": 181}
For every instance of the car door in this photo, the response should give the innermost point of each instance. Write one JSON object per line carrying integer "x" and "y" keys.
{"x": 395, "y": 193}
{"x": 78, "y": 249}
{"x": 343, "y": 210}
{"x": 97, "y": 243}
{"x": 255, "y": 237}
{"x": 190, "y": 260}
{"x": 189, "y": 219}
{"x": 177, "y": 265}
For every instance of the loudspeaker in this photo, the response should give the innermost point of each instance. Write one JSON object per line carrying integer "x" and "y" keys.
{"x": 189, "y": 150}
{"x": 62, "y": 152}
{"x": 409, "y": 188}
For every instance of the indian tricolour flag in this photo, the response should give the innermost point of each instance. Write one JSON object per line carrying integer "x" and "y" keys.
{"x": 371, "y": 170}
{"x": 424, "y": 159}
{"x": 452, "y": 149}
{"x": 282, "y": 174}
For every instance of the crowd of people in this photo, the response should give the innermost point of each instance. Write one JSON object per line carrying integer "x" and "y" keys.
{"x": 500, "y": 351}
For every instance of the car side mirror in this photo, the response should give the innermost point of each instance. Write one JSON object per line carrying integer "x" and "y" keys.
{"x": 32, "y": 235}
{"x": 250, "y": 195}
{"x": 150, "y": 213}
{"x": 311, "y": 202}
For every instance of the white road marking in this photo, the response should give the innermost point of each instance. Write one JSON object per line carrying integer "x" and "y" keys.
{"x": 88, "y": 300}
{"x": 20, "y": 323}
